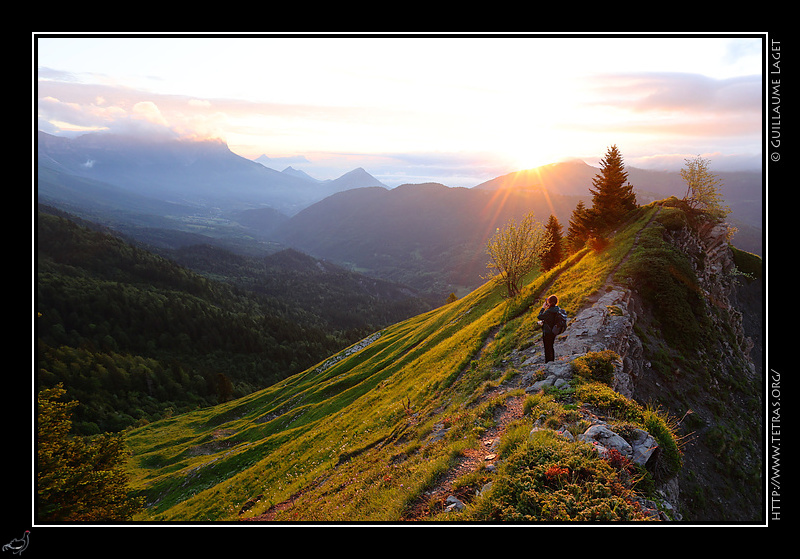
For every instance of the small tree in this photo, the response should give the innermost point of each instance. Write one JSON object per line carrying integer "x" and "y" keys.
{"x": 554, "y": 254}
{"x": 515, "y": 251}
{"x": 702, "y": 189}
{"x": 224, "y": 388}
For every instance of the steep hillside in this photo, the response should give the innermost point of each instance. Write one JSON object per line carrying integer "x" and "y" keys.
{"x": 135, "y": 336}
{"x": 453, "y": 415}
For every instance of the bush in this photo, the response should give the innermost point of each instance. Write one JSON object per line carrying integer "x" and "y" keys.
{"x": 660, "y": 426}
{"x": 605, "y": 398}
{"x": 748, "y": 264}
{"x": 596, "y": 366}
{"x": 672, "y": 219}
{"x": 597, "y": 243}
{"x": 552, "y": 480}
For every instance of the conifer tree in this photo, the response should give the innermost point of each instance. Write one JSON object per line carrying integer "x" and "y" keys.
{"x": 579, "y": 227}
{"x": 554, "y": 254}
{"x": 78, "y": 479}
{"x": 612, "y": 195}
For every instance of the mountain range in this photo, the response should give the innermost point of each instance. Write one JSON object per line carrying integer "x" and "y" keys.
{"x": 428, "y": 236}
{"x": 193, "y": 175}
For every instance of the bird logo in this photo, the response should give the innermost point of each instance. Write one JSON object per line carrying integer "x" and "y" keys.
{"x": 18, "y": 545}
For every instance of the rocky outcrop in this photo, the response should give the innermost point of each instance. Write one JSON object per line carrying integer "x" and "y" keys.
{"x": 711, "y": 259}
{"x": 353, "y": 349}
{"x": 607, "y": 324}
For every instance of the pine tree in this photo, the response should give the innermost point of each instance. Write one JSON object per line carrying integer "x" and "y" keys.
{"x": 78, "y": 479}
{"x": 555, "y": 253}
{"x": 612, "y": 195}
{"x": 579, "y": 228}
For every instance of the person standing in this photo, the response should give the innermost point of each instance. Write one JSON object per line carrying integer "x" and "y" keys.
{"x": 550, "y": 316}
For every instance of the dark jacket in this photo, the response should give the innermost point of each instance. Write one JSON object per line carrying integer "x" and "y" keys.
{"x": 548, "y": 318}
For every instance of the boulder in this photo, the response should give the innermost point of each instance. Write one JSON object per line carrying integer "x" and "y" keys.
{"x": 604, "y": 439}
{"x": 643, "y": 445}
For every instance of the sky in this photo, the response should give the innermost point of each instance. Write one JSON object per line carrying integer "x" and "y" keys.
{"x": 458, "y": 110}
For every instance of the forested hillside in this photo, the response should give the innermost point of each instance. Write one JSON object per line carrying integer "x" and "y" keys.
{"x": 136, "y": 337}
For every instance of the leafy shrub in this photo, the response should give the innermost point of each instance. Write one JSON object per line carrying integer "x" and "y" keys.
{"x": 605, "y": 398}
{"x": 597, "y": 243}
{"x": 598, "y": 366}
{"x": 552, "y": 480}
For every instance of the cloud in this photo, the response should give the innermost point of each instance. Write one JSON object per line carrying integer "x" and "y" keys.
{"x": 66, "y": 104}
{"x": 148, "y": 112}
{"x": 78, "y": 107}
{"x": 646, "y": 113}
{"x": 680, "y": 93}
{"x": 653, "y": 113}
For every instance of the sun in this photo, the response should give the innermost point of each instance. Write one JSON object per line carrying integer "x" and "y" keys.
{"x": 527, "y": 149}
{"x": 528, "y": 157}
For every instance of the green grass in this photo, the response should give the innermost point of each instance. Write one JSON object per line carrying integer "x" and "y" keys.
{"x": 274, "y": 442}
{"x": 544, "y": 477}
{"x": 354, "y": 441}
{"x": 547, "y": 478}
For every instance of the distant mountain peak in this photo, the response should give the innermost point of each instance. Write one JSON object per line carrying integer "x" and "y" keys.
{"x": 358, "y": 178}
{"x": 298, "y": 173}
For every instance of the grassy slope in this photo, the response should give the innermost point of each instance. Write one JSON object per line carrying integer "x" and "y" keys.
{"x": 355, "y": 438}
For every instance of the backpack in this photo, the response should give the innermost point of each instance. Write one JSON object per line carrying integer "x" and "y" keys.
{"x": 561, "y": 322}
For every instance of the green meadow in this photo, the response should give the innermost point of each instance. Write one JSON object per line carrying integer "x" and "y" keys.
{"x": 352, "y": 439}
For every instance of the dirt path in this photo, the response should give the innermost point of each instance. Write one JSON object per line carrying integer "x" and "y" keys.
{"x": 470, "y": 460}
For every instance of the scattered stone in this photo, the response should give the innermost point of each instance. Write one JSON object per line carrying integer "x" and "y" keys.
{"x": 453, "y": 503}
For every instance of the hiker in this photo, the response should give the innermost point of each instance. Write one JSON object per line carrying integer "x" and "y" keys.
{"x": 553, "y": 320}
